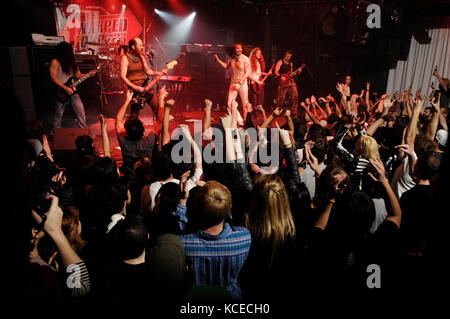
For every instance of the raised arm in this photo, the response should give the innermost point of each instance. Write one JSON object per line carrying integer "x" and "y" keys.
{"x": 311, "y": 115}
{"x": 195, "y": 149}
{"x": 222, "y": 64}
{"x": 380, "y": 176}
{"x": 105, "y": 139}
{"x": 71, "y": 261}
{"x": 431, "y": 129}
{"x": 367, "y": 96}
{"x": 441, "y": 81}
{"x": 207, "y": 118}
{"x": 411, "y": 130}
{"x": 166, "y": 120}
{"x": 375, "y": 125}
{"x": 120, "y": 117}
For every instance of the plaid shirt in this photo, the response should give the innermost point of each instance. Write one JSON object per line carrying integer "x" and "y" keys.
{"x": 218, "y": 259}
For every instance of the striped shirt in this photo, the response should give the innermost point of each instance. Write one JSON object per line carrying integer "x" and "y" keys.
{"x": 78, "y": 280}
{"x": 218, "y": 259}
{"x": 355, "y": 165}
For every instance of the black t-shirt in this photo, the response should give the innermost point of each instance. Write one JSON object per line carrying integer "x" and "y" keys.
{"x": 417, "y": 207}
{"x": 273, "y": 275}
{"x": 331, "y": 263}
{"x": 133, "y": 150}
{"x": 445, "y": 97}
{"x": 130, "y": 281}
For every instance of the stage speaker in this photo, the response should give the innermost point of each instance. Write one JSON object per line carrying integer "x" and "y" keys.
{"x": 64, "y": 138}
{"x": 43, "y": 89}
{"x": 15, "y": 75}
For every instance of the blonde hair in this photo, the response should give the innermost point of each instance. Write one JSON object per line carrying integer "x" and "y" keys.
{"x": 270, "y": 217}
{"x": 369, "y": 147}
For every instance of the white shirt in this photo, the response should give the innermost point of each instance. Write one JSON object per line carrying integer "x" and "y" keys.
{"x": 156, "y": 186}
{"x": 380, "y": 214}
{"x": 402, "y": 180}
{"x": 308, "y": 177}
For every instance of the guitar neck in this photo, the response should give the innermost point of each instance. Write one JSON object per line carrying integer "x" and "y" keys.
{"x": 80, "y": 80}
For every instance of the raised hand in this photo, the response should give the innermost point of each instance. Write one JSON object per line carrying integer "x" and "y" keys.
{"x": 436, "y": 102}
{"x": 103, "y": 123}
{"x": 184, "y": 191}
{"x": 405, "y": 149}
{"x": 54, "y": 216}
{"x": 208, "y": 104}
{"x": 163, "y": 93}
{"x": 185, "y": 129}
{"x": 170, "y": 103}
{"x": 310, "y": 158}
{"x": 277, "y": 111}
{"x": 387, "y": 102}
{"x": 380, "y": 172}
{"x": 226, "y": 121}
{"x": 284, "y": 135}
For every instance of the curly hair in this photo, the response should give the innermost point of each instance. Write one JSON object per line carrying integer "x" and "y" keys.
{"x": 254, "y": 60}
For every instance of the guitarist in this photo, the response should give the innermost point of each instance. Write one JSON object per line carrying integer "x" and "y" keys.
{"x": 62, "y": 68}
{"x": 134, "y": 70}
{"x": 258, "y": 67}
{"x": 286, "y": 86}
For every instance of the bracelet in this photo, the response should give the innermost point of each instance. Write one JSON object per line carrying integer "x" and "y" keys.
{"x": 331, "y": 201}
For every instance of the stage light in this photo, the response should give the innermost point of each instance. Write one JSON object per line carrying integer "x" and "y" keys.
{"x": 169, "y": 18}
{"x": 180, "y": 32}
{"x": 178, "y": 35}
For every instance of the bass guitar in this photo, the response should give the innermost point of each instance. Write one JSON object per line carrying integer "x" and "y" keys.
{"x": 286, "y": 79}
{"x": 257, "y": 88}
{"x": 139, "y": 98}
{"x": 61, "y": 94}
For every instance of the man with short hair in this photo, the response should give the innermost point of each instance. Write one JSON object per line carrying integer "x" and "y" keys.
{"x": 288, "y": 87}
{"x": 134, "y": 141}
{"x": 217, "y": 251}
{"x": 418, "y": 205}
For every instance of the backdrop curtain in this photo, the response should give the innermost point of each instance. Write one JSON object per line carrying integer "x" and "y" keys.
{"x": 417, "y": 70}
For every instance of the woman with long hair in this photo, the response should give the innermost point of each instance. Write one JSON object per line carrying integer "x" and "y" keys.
{"x": 273, "y": 251}
{"x": 258, "y": 68}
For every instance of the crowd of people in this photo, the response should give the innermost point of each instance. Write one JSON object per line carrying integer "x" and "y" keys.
{"x": 354, "y": 189}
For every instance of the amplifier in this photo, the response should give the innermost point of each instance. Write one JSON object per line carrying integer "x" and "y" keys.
{"x": 86, "y": 62}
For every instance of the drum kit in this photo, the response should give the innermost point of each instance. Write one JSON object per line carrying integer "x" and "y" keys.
{"x": 107, "y": 53}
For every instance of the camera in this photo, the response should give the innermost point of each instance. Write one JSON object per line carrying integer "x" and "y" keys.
{"x": 39, "y": 203}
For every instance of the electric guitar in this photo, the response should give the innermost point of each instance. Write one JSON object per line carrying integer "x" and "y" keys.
{"x": 285, "y": 79}
{"x": 257, "y": 88}
{"x": 61, "y": 94}
{"x": 139, "y": 98}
